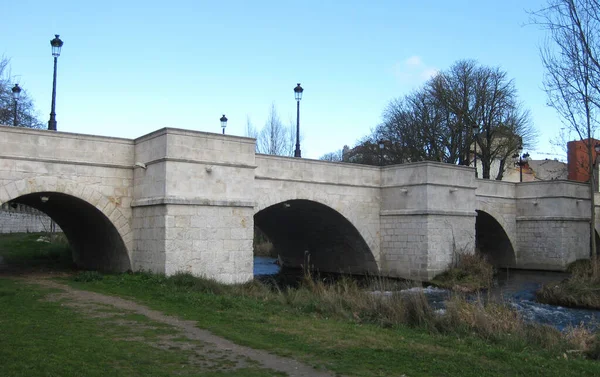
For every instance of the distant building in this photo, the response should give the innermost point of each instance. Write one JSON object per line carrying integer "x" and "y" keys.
{"x": 578, "y": 159}
{"x": 536, "y": 170}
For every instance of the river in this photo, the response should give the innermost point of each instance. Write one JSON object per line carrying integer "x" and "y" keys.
{"x": 517, "y": 287}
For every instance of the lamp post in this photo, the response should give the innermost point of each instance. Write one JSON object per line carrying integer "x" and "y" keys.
{"x": 523, "y": 158}
{"x": 475, "y": 130}
{"x": 56, "y": 44}
{"x": 16, "y": 91}
{"x": 381, "y": 147}
{"x": 298, "y": 94}
{"x": 223, "y": 123}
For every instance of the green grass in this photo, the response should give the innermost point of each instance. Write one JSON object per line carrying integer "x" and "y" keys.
{"x": 41, "y": 338}
{"x": 23, "y": 250}
{"x": 250, "y": 316}
{"x": 338, "y": 327}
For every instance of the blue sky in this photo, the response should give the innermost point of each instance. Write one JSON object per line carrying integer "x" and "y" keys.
{"x": 128, "y": 68}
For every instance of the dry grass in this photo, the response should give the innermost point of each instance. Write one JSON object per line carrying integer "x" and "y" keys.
{"x": 471, "y": 273}
{"x": 581, "y": 289}
{"x": 488, "y": 320}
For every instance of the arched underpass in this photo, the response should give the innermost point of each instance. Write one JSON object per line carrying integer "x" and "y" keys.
{"x": 307, "y": 233}
{"x": 491, "y": 240}
{"x": 95, "y": 241}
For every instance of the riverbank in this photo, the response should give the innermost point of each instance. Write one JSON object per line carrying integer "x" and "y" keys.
{"x": 307, "y": 318}
{"x": 339, "y": 327}
{"x": 580, "y": 290}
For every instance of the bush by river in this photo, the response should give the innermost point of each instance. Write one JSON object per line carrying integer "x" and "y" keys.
{"x": 580, "y": 290}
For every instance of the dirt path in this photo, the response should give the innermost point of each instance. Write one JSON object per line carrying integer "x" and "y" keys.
{"x": 207, "y": 351}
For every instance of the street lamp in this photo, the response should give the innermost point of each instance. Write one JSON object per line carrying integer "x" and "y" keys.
{"x": 523, "y": 158}
{"x": 298, "y": 94}
{"x": 475, "y": 130}
{"x": 223, "y": 123}
{"x": 56, "y": 44}
{"x": 381, "y": 147}
{"x": 16, "y": 91}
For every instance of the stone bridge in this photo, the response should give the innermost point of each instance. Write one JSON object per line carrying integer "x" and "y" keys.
{"x": 177, "y": 200}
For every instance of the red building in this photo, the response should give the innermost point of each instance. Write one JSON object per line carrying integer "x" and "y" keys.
{"x": 578, "y": 161}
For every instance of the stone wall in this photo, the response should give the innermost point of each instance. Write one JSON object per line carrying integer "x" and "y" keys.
{"x": 428, "y": 216}
{"x": 352, "y": 190}
{"x": 193, "y": 204}
{"x": 552, "y": 224}
{"x": 24, "y": 219}
{"x": 186, "y": 201}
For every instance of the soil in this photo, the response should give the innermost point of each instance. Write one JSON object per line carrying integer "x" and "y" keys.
{"x": 207, "y": 352}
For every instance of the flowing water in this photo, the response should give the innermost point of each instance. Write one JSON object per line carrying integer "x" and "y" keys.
{"x": 516, "y": 287}
{"x": 265, "y": 266}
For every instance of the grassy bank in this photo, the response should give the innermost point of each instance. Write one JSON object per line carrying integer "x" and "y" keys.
{"x": 470, "y": 273}
{"x": 581, "y": 289}
{"x": 40, "y": 337}
{"x": 341, "y": 327}
{"x": 355, "y": 333}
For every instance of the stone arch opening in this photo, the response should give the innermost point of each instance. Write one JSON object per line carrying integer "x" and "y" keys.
{"x": 307, "y": 233}
{"x": 95, "y": 241}
{"x": 493, "y": 242}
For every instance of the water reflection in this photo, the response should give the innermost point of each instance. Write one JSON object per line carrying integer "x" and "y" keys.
{"x": 265, "y": 266}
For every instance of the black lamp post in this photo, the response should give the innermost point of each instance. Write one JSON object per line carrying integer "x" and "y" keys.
{"x": 16, "y": 91}
{"x": 381, "y": 147}
{"x": 522, "y": 162}
{"x": 56, "y": 44}
{"x": 298, "y": 93}
{"x": 475, "y": 130}
{"x": 223, "y": 123}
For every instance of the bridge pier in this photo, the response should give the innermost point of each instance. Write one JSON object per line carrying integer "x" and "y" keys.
{"x": 193, "y": 209}
{"x": 552, "y": 224}
{"x": 427, "y": 218}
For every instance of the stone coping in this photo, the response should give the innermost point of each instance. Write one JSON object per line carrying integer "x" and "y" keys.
{"x": 175, "y": 200}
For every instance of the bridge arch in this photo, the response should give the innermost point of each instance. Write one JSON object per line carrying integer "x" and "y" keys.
{"x": 310, "y": 233}
{"x": 98, "y": 232}
{"x": 492, "y": 240}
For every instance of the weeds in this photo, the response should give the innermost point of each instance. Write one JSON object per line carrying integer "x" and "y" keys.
{"x": 581, "y": 289}
{"x": 471, "y": 273}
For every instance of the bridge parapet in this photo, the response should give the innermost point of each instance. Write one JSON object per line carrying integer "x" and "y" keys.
{"x": 316, "y": 171}
{"x": 42, "y": 145}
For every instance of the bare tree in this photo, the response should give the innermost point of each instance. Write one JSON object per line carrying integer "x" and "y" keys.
{"x": 337, "y": 156}
{"x": 251, "y": 131}
{"x": 26, "y": 115}
{"x": 274, "y": 137}
{"x": 572, "y": 79}
{"x": 436, "y": 122}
